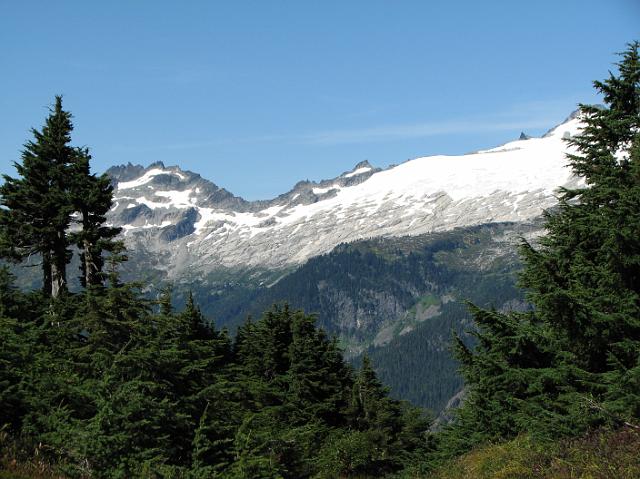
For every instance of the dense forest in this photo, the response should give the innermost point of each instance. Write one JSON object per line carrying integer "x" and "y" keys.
{"x": 396, "y": 300}
{"x": 103, "y": 382}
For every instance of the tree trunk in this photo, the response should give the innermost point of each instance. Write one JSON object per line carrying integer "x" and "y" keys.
{"x": 59, "y": 266}
{"x": 58, "y": 280}
{"x": 91, "y": 260}
{"x": 90, "y": 269}
{"x": 46, "y": 273}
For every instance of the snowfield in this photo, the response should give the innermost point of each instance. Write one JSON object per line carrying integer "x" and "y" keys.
{"x": 513, "y": 182}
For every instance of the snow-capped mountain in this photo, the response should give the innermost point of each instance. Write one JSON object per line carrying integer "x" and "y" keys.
{"x": 192, "y": 225}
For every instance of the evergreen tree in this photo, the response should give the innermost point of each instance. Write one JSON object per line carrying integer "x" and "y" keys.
{"x": 15, "y": 352}
{"x": 384, "y": 434}
{"x": 317, "y": 377}
{"x": 573, "y": 362}
{"x": 623, "y": 395}
{"x": 513, "y": 382}
{"x": 92, "y": 198}
{"x": 202, "y": 388}
{"x": 38, "y": 204}
{"x": 584, "y": 278}
{"x": 54, "y": 182}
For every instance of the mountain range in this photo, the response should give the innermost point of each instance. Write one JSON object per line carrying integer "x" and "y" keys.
{"x": 386, "y": 258}
{"x": 196, "y": 227}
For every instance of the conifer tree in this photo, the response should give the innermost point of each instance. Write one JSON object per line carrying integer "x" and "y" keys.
{"x": 54, "y": 183}
{"x": 572, "y": 363}
{"x": 584, "y": 278}
{"x": 382, "y": 434}
{"x": 15, "y": 351}
{"x": 317, "y": 376}
{"x": 38, "y": 204}
{"x": 92, "y": 198}
{"x": 203, "y": 355}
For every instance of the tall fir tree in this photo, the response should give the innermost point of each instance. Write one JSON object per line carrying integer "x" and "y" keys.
{"x": 92, "y": 198}
{"x": 38, "y": 204}
{"x": 584, "y": 278}
{"x": 317, "y": 377}
{"x": 572, "y": 363}
{"x": 55, "y": 182}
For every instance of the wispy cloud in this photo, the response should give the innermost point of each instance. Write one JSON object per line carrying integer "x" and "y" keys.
{"x": 418, "y": 130}
{"x": 534, "y": 116}
{"x": 523, "y": 116}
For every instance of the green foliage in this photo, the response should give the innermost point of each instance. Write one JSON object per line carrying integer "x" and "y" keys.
{"x": 55, "y": 182}
{"x": 38, "y": 210}
{"x": 572, "y": 363}
{"x": 91, "y": 197}
{"x": 103, "y": 386}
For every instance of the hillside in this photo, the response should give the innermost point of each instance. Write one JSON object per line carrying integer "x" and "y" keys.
{"x": 399, "y": 299}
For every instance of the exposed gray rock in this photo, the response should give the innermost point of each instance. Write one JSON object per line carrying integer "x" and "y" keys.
{"x": 182, "y": 228}
{"x": 197, "y": 227}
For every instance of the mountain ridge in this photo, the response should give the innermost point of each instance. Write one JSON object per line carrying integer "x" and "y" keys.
{"x": 198, "y": 227}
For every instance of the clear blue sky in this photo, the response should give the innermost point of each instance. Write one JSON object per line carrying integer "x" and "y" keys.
{"x": 258, "y": 95}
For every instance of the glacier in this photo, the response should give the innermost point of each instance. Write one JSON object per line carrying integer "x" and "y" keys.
{"x": 195, "y": 227}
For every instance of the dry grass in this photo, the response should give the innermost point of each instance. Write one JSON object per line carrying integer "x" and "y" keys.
{"x": 16, "y": 464}
{"x": 602, "y": 455}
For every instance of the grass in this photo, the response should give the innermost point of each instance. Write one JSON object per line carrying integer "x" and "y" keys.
{"x": 601, "y": 455}
{"x": 424, "y": 302}
{"x": 16, "y": 463}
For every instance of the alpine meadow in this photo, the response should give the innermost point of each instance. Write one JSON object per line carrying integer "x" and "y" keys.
{"x": 469, "y": 316}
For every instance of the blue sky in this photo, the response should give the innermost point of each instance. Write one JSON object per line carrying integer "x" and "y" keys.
{"x": 258, "y": 95}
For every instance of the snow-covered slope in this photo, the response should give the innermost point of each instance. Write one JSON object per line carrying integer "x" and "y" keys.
{"x": 196, "y": 226}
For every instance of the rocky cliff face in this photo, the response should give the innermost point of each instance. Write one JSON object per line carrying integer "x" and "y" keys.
{"x": 189, "y": 224}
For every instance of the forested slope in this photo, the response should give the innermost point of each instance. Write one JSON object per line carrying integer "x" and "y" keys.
{"x": 399, "y": 299}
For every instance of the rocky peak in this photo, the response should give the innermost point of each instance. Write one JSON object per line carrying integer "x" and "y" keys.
{"x": 361, "y": 172}
{"x": 523, "y": 136}
{"x": 363, "y": 164}
{"x": 125, "y": 172}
